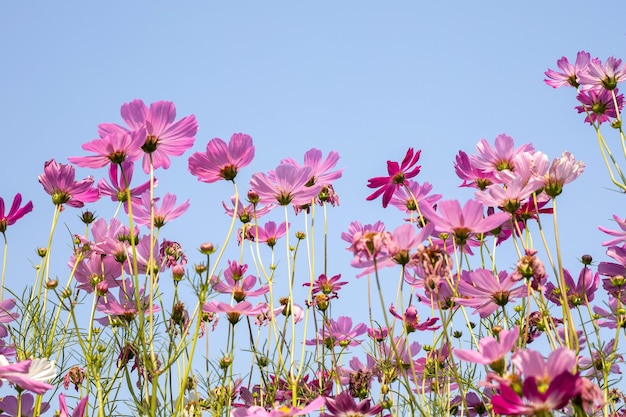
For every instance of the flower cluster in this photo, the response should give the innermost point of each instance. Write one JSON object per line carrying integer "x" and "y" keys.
{"x": 259, "y": 325}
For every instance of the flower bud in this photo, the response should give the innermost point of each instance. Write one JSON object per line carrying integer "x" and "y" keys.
{"x": 42, "y": 252}
{"x": 88, "y": 217}
{"x": 178, "y": 272}
{"x": 253, "y": 197}
{"x": 52, "y": 283}
{"x": 207, "y": 248}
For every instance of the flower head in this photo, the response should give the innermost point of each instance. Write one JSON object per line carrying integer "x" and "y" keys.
{"x": 119, "y": 187}
{"x": 607, "y": 76}
{"x": 15, "y": 213}
{"x": 398, "y": 174}
{"x": 222, "y": 161}
{"x": 599, "y": 105}
{"x": 569, "y": 75}
{"x": 486, "y": 292}
{"x": 142, "y": 213}
{"x": 115, "y": 148}
{"x": 58, "y": 181}
{"x": 286, "y": 185}
{"x": 344, "y": 405}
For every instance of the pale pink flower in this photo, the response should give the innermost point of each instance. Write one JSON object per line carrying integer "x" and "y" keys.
{"x": 279, "y": 411}
{"x": 286, "y": 185}
{"x": 162, "y": 215}
{"x": 470, "y": 174}
{"x": 497, "y": 158}
{"x": 320, "y": 169}
{"x": 606, "y": 76}
{"x": 464, "y": 222}
{"x": 118, "y": 188}
{"x": 165, "y": 137}
{"x": 562, "y": 171}
{"x": 114, "y": 148}
{"x": 486, "y": 292}
{"x": 413, "y": 196}
{"x": 240, "y": 288}
{"x": 234, "y": 312}
{"x": 246, "y": 213}
{"x": 490, "y": 349}
{"x": 18, "y": 374}
{"x": 222, "y": 161}
{"x": 58, "y": 181}
{"x": 339, "y": 333}
{"x": 569, "y": 75}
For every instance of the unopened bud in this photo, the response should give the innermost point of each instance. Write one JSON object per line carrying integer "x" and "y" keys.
{"x": 207, "y": 248}
{"x": 587, "y": 259}
{"x": 253, "y": 197}
{"x": 178, "y": 272}
{"x": 52, "y": 283}
{"x": 88, "y": 217}
{"x": 42, "y": 252}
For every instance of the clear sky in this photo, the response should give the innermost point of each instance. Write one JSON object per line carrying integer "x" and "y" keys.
{"x": 367, "y": 79}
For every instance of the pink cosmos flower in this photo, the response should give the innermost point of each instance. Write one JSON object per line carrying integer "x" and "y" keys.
{"x": 18, "y": 374}
{"x": 413, "y": 196}
{"x": 79, "y": 410}
{"x": 114, "y": 148}
{"x": 118, "y": 187}
{"x": 486, "y": 292}
{"x": 286, "y": 185}
{"x": 96, "y": 269}
{"x": 536, "y": 398}
{"x": 269, "y": 233}
{"x": 599, "y": 105}
{"x": 410, "y": 318}
{"x": 562, "y": 171}
{"x": 500, "y": 157}
{"x": 167, "y": 212}
{"x": 325, "y": 285}
{"x": 509, "y": 197}
{"x": 532, "y": 364}
{"x": 344, "y": 405}
{"x": 578, "y": 293}
{"x": 470, "y": 174}
{"x": 339, "y": 333}
{"x": 240, "y": 288}
{"x": 398, "y": 174}
{"x": 6, "y": 316}
{"x": 146, "y": 263}
{"x": 398, "y": 353}
{"x": 26, "y": 406}
{"x": 222, "y": 161}
{"x": 280, "y": 411}
{"x": 164, "y": 138}
{"x": 490, "y": 349}
{"x": 607, "y": 76}
{"x": 124, "y": 307}
{"x": 246, "y": 213}
{"x": 320, "y": 170}
{"x": 600, "y": 360}
{"x": 620, "y": 235}
{"x": 235, "y": 312}
{"x": 58, "y": 181}
{"x": 570, "y": 73}
{"x": 463, "y": 222}
{"x": 612, "y": 318}
{"x": 358, "y": 235}
{"x": 15, "y": 213}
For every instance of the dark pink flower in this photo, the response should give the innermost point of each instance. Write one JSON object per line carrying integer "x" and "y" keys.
{"x": 142, "y": 213}
{"x": 398, "y": 174}
{"x": 95, "y": 269}
{"x": 486, "y": 291}
{"x": 15, "y": 213}
{"x": 536, "y": 399}
{"x": 410, "y": 318}
{"x": 222, "y": 161}
{"x": 569, "y": 75}
{"x": 165, "y": 137}
{"x": 599, "y": 105}
{"x": 620, "y": 235}
{"x": 119, "y": 187}
{"x": 344, "y": 405}
{"x": 470, "y": 174}
{"x": 286, "y": 185}
{"x": 114, "y": 148}
{"x": 58, "y": 181}
{"x": 325, "y": 285}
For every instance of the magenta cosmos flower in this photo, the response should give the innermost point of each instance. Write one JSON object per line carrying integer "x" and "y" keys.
{"x": 599, "y": 105}
{"x": 461, "y": 223}
{"x": 15, "y": 212}
{"x": 222, "y": 161}
{"x": 344, "y": 405}
{"x": 167, "y": 212}
{"x": 286, "y": 185}
{"x": 398, "y": 174}
{"x": 578, "y": 293}
{"x": 246, "y": 213}
{"x": 620, "y": 235}
{"x": 114, "y": 148}
{"x": 165, "y": 137}
{"x": 280, "y": 411}
{"x": 569, "y": 73}
{"x": 58, "y": 181}
{"x": 24, "y": 407}
{"x": 325, "y": 285}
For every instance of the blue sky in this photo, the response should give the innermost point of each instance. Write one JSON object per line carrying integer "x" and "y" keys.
{"x": 367, "y": 79}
